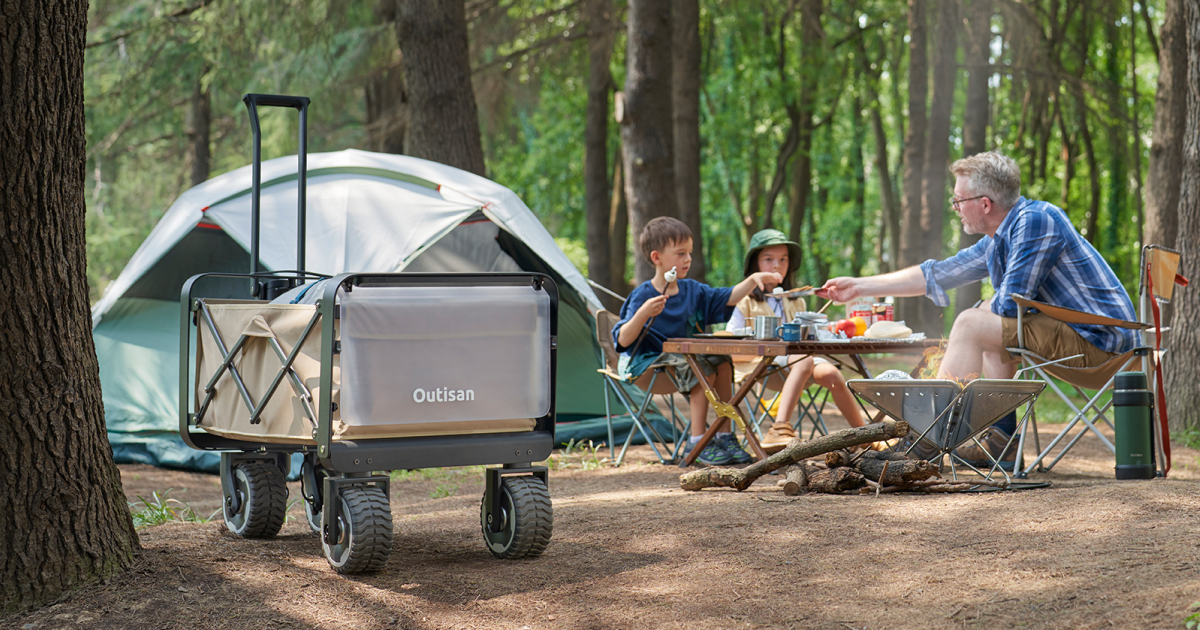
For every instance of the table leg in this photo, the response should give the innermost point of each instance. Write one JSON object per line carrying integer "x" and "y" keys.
{"x": 726, "y": 410}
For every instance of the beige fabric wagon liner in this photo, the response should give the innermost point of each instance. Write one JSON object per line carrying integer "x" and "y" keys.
{"x": 283, "y": 421}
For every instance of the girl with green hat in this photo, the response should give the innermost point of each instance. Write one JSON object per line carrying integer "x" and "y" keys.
{"x": 771, "y": 251}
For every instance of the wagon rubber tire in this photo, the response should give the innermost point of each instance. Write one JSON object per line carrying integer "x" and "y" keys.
{"x": 365, "y": 524}
{"x": 527, "y": 519}
{"x": 263, "y": 495}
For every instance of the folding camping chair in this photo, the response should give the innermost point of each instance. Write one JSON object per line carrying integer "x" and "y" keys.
{"x": 657, "y": 380}
{"x": 1158, "y": 277}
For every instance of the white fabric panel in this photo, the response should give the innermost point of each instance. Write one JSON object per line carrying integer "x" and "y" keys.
{"x": 356, "y": 222}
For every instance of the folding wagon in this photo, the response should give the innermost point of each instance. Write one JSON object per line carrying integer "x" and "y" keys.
{"x": 362, "y": 374}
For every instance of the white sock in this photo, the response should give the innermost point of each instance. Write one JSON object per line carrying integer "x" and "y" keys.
{"x": 694, "y": 439}
{"x": 722, "y": 433}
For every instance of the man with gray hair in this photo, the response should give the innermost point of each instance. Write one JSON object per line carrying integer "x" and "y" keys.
{"x": 1028, "y": 248}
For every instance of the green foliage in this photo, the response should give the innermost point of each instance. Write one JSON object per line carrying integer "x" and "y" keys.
{"x": 1193, "y": 620}
{"x": 448, "y": 480}
{"x": 581, "y": 455}
{"x": 161, "y": 509}
{"x": 148, "y": 58}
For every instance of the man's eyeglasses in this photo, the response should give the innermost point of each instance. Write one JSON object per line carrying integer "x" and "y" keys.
{"x": 955, "y": 201}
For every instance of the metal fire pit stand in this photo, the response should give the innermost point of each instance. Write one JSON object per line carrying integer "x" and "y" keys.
{"x": 946, "y": 415}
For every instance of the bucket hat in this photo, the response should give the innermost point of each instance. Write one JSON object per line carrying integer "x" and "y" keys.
{"x": 767, "y": 238}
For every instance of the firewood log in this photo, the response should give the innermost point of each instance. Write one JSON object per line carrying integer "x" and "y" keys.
{"x": 740, "y": 479}
{"x": 836, "y": 480}
{"x": 899, "y": 472}
{"x": 796, "y": 480}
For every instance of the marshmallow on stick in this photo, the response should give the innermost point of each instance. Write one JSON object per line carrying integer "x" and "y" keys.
{"x": 670, "y": 276}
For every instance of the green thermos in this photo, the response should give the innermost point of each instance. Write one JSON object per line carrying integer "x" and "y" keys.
{"x": 1135, "y": 445}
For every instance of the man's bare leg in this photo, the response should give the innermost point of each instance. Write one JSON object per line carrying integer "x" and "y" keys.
{"x": 976, "y": 346}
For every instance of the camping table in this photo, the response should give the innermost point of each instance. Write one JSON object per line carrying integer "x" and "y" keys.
{"x": 768, "y": 350}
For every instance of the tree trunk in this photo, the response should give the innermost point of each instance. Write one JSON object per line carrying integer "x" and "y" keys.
{"x": 1118, "y": 192}
{"x": 387, "y": 110}
{"x": 912, "y": 244}
{"x": 595, "y": 138}
{"x": 444, "y": 121}
{"x": 1183, "y": 361}
{"x": 618, "y": 230}
{"x": 860, "y": 184}
{"x": 64, "y": 522}
{"x": 812, "y": 60}
{"x": 685, "y": 105}
{"x": 937, "y": 156}
{"x": 201, "y": 126}
{"x": 1166, "y": 147}
{"x": 647, "y": 134}
{"x": 975, "y": 116}
{"x": 889, "y": 233}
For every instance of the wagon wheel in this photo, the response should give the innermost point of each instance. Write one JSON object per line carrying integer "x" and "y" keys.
{"x": 364, "y": 531}
{"x": 526, "y": 519}
{"x": 262, "y": 500}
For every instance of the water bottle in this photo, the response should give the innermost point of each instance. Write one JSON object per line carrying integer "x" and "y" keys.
{"x": 1135, "y": 445}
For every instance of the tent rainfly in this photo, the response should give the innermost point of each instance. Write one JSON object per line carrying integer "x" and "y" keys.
{"x": 367, "y": 212}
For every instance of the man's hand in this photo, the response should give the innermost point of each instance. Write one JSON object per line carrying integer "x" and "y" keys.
{"x": 840, "y": 290}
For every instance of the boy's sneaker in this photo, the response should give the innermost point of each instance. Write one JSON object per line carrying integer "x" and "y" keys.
{"x": 730, "y": 446}
{"x": 711, "y": 455}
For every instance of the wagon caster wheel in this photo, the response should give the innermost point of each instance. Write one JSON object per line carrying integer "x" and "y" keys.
{"x": 526, "y": 519}
{"x": 313, "y": 517}
{"x": 262, "y": 500}
{"x": 364, "y": 531}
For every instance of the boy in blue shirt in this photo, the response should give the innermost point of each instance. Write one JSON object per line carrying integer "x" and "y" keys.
{"x": 658, "y": 310}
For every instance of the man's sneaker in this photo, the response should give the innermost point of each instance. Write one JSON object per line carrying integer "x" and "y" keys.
{"x": 711, "y": 455}
{"x": 730, "y": 446}
{"x": 778, "y": 437}
{"x": 995, "y": 440}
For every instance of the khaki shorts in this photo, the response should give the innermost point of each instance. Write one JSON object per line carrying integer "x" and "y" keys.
{"x": 1047, "y": 337}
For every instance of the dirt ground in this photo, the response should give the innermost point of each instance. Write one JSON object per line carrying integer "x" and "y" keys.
{"x": 631, "y": 550}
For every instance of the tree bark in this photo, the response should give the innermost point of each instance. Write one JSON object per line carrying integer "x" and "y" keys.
{"x": 387, "y": 110}
{"x": 1164, "y": 174}
{"x": 1183, "y": 361}
{"x": 975, "y": 116}
{"x": 443, "y": 119}
{"x": 889, "y": 236}
{"x": 742, "y": 478}
{"x": 618, "y": 230}
{"x": 200, "y": 130}
{"x": 64, "y": 522}
{"x": 685, "y": 104}
{"x": 937, "y": 157}
{"x": 647, "y": 130}
{"x": 911, "y": 237}
{"x": 595, "y": 138}
{"x": 857, "y": 164}
{"x": 812, "y": 60}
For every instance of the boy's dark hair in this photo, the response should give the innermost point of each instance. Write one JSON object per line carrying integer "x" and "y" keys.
{"x": 660, "y": 232}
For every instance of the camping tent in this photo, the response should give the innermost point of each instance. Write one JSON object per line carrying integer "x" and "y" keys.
{"x": 367, "y": 212}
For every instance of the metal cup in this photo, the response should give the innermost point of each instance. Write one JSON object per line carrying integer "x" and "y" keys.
{"x": 764, "y": 326}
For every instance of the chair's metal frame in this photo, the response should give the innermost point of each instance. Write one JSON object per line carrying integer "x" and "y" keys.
{"x": 1140, "y": 354}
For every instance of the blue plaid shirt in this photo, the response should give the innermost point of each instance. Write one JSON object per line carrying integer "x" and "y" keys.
{"x": 1036, "y": 252}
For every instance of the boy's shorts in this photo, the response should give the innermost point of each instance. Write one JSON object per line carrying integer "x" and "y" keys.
{"x": 685, "y": 379}
{"x": 1050, "y": 338}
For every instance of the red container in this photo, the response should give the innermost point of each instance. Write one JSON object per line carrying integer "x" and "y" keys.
{"x": 883, "y": 312}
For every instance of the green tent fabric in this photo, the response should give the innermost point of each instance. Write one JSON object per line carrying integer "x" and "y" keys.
{"x": 366, "y": 212}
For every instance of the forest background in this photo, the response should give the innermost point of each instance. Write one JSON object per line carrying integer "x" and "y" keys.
{"x": 832, "y": 121}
